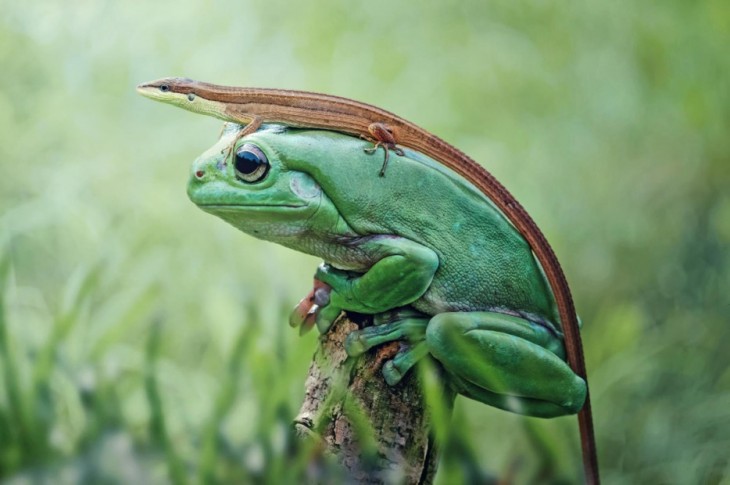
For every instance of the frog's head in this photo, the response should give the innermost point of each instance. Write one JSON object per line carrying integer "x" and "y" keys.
{"x": 249, "y": 186}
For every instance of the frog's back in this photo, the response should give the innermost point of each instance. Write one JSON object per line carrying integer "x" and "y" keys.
{"x": 484, "y": 263}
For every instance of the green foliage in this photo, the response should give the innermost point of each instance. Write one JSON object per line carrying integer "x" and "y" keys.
{"x": 142, "y": 340}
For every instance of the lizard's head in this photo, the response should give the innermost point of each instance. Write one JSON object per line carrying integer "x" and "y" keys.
{"x": 172, "y": 90}
{"x": 184, "y": 93}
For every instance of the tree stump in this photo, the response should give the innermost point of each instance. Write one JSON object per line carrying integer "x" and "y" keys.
{"x": 377, "y": 433}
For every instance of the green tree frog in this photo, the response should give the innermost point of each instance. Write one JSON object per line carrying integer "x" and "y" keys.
{"x": 424, "y": 251}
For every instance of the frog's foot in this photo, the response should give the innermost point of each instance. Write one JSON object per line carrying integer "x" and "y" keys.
{"x": 382, "y": 137}
{"x": 407, "y": 325}
{"x": 307, "y": 310}
{"x": 388, "y": 327}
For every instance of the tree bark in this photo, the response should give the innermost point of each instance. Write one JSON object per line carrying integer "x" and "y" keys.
{"x": 377, "y": 433}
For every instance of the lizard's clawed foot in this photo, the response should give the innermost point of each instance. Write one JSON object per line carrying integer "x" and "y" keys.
{"x": 383, "y": 136}
{"x": 387, "y": 147}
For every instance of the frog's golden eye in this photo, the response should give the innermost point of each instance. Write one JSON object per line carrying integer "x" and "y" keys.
{"x": 250, "y": 164}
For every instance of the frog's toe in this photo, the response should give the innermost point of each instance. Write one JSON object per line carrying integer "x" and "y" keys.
{"x": 307, "y": 310}
{"x": 326, "y": 316}
{"x": 304, "y": 315}
{"x": 309, "y": 321}
{"x": 411, "y": 329}
{"x": 355, "y": 344}
{"x": 391, "y": 373}
{"x": 394, "y": 370}
{"x": 302, "y": 310}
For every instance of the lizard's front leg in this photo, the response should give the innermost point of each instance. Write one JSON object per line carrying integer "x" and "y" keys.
{"x": 251, "y": 127}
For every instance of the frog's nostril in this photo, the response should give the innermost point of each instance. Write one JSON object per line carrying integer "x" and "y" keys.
{"x": 199, "y": 174}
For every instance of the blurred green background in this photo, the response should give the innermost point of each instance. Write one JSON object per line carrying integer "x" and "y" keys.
{"x": 142, "y": 340}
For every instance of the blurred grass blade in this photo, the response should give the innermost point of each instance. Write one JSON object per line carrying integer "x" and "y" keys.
{"x": 226, "y": 397}
{"x": 158, "y": 427}
{"x": 18, "y": 433}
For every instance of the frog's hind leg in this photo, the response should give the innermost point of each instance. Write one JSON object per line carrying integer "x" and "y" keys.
{"x": 505, "y": 361}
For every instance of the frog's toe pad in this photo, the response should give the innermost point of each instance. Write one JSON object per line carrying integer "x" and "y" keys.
{"x": 391, "y": 373}
{"x": 355, "y": 344}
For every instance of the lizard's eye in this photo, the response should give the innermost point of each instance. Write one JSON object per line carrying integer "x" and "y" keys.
{"x": 164, "y": 88}
{"x": 251, "y": 165}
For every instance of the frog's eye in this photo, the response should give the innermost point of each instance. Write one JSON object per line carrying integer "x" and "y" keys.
{"x": 251, "y": 165}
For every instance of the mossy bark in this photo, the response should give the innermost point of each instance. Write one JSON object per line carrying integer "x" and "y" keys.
{"x": 378, "y": 433}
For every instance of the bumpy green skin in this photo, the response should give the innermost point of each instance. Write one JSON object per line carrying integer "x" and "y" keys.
{"x": 421, "y": 249}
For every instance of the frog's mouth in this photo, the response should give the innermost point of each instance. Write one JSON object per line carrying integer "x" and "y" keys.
{"x": 236, "y": 206}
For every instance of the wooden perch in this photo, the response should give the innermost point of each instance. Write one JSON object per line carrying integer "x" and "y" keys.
{"x": 378, "y": 433}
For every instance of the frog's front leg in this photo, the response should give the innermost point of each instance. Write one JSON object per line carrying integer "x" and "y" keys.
{"x": 507, "y": 362}
{"x": 402, "y": 272}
